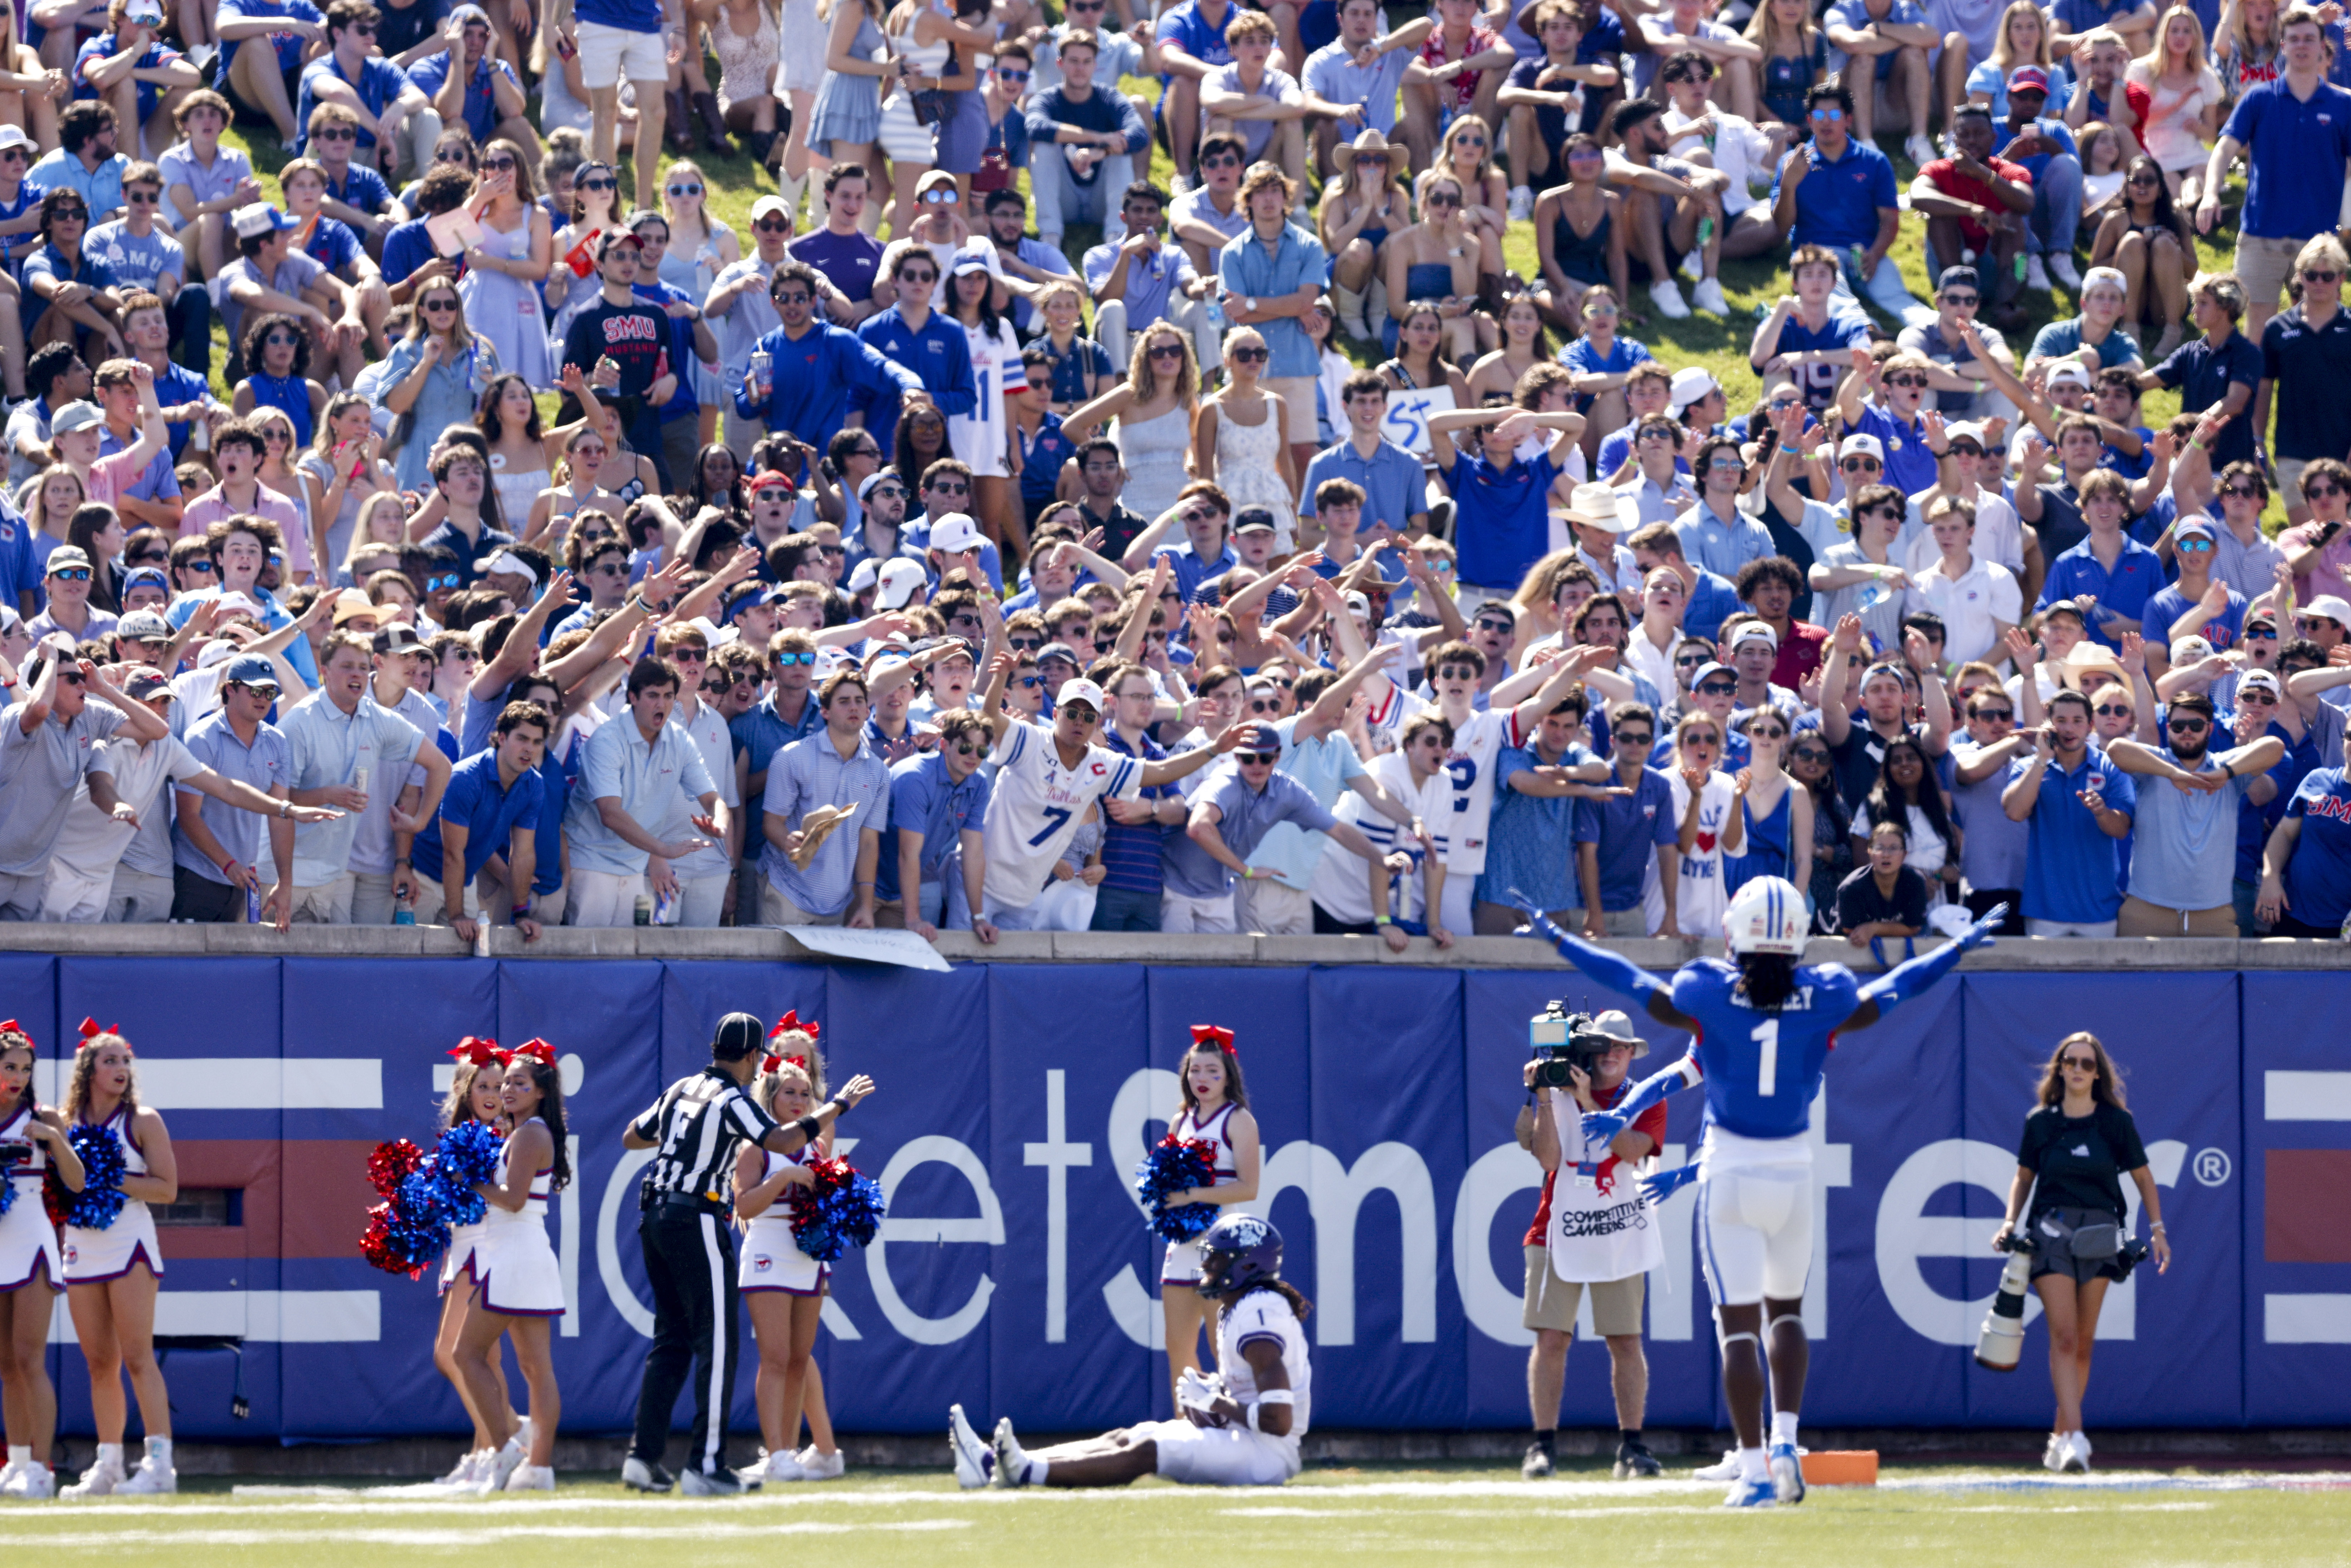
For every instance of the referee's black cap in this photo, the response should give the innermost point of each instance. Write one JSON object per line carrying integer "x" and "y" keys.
{"x": 738, "y": 1035}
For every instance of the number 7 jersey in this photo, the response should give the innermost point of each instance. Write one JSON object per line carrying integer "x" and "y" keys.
{"x": 1761, "y": 1069}
{"x": 1037, "y": 802}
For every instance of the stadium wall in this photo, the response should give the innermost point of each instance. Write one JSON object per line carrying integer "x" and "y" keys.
{"x": 1015, "y": 1272}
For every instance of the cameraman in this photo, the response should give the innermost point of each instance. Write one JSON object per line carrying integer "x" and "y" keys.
{"x": 1591, "y": 1231}
{"x": 2078, "y": 1143}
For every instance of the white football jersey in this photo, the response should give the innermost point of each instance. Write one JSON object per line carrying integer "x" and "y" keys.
{"x": 1036, "y": 803}
{"x": 1266, "y": 1315}
{"x": 1477, "y": 743}
{"x": 1341, "y": 883}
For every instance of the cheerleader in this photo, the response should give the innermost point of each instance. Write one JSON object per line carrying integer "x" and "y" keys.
{"x": 478, "y": 1093}
{"x": 30, "y": 1271}
{"x": 518, "y": 1286}
{"x": 783, "y": 1285}
{"x": 1216, "y": 1108}
{"x": 112, "y": 1275}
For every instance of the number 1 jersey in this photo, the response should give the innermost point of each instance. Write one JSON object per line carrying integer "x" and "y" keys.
{"x": 1764, "y": 1069}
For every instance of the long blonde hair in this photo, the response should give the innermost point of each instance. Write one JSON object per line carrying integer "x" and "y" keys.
{"x": 1145, "y": 385}
{"x": 790, "y": 1043}
{"x": 2150, "y": 66}
{"x": 85, "y": 1068}
{"x": 1762, "y": 33}
{"x": 360, "y": 539}
{"x": 2003, "y": 55}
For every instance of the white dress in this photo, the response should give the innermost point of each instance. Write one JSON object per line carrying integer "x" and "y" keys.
{"x": 94, "y": 1256}
{"x": 1699, "y": 898}
{"x": 1153, "y": 450}
{"x": 517, "y": 490}
{"x": 1248, "y": 467}
{"x": 505, "y": 310}
{"x": 1181, "y": 1264}
{"x": 801, "y": 42}
{"x": 513, "y": 1262}
{"x": 28, "y": 1246}
{"x": 772, "y": 1258}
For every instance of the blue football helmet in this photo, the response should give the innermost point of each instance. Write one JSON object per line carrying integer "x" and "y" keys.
{"x": 1235, "y": 1252}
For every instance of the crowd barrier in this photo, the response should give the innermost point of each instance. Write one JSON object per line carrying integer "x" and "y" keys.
{"x": 1015, "y": 1273}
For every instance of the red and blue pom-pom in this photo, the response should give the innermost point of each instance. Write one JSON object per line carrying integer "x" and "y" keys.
{"x": 425, "y": 1194}
{"x": 840, "y": 1208}
{"x": 1177, "y": 1164}
{"x": 391, "y": 1164}
{"x": 99, "y": 1202}
{"x": 7, "y": 1194}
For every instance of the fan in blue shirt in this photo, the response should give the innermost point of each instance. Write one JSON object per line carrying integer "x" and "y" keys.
{"x": 493, "y": 803}
{"x": 1502, "y": 501}
{"x": 2115, "y": 572}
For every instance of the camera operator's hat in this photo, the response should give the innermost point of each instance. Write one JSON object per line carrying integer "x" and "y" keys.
{"x": 1613, "y": 1025}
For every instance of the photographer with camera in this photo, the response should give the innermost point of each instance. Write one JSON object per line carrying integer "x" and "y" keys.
{"x": 2078, "y": 1142}
{"x": 1593, "y": 1231}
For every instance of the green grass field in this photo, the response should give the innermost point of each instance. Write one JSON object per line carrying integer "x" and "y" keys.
{"x": 1468, "y": 1514}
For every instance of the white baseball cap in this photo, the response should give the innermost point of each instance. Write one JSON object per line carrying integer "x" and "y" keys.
{"x": 2069, "y": 370}
{"x": 956, "y": 533}
{"x": 1081, "y": 690}
{"x": 1690, "y": 384}
{"x": 900, "y": 580}
{"x": 866, "y": 575}
{"x": 2190, "y": 651}
{"x": 1868, "y": 445}
{"x": 1754, "y": 632}
{"x": 2332, "y": 608}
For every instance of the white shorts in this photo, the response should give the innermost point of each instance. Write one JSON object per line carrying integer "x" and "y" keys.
{"x": 27, "y": 1245}
{"x": 772, "y": 1261}
{"x": 609, "y": 54}
{"x": 1220, "y": 1455}
{"x": 1181, "y": 1264}
{"x": 73, "y": 897}
{"x": 514, "y": 1263}
{"x": 604, "y": 898}
{"x": 1755, "y": 1232}
{"x": 461, "y": 1238}
{"x": 93, "y": 1257}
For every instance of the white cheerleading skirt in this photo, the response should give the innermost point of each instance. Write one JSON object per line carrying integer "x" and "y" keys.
{"x": 93, "y": 1257}
{"x": 462, "y": 1240}
{"x": 28, "y": 1246}
{"x": 514, "y": 1265}
{"x": 772, "y": 1261}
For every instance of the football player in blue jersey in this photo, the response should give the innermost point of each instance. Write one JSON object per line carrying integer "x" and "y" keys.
{"x": 1761, "y": 1029}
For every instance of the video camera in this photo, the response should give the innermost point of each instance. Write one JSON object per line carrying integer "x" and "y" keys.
{"x": 1562, "y": 1040}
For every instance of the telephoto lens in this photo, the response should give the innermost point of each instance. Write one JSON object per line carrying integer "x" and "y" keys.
{"x": 2002, "y": 1341}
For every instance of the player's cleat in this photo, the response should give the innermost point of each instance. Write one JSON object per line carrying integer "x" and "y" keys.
{"x": 152, "y": 1480}
{"x": 2076, "y": 1461}
{"x": 819, "y": 1466}
{"x": 974, "y": 1461}
{"x": 1787, "y": 1473}
{"x": 1727, "y": 1470}
{"x": 99, "y": 1480}
{"x": 640, "y": 1475}
{"x": 531, "y": 1478}
{"x": 1011, "y": 1464}
{"x": 710, "y": 1483}
{"x": 1537, "y": 1465}
{"x": 1751, "y": 1494}
{"x": 1635, "y": 1462}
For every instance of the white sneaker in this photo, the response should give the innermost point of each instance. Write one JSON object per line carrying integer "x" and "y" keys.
{"x": 1522, "y": 203}
{"x": 2052, "y": 1457}
{"x": 99, "y": 1480}
{"x": 819, "y": 1466}
{"x": 2062, "y": 269}
{"x": 1011, "y": 1464}
{"x": 467, "y": 1469}
{"x": 152, "y": 1480}
{"x": 974, "y": 1461}
{"x": 2036, "y": 274}
{"x": 1666, "y": 296}
{"x": 531, "y": 1478}
{"x": 1179, "y": 186}
{"x": 2077, "y": 1454}
{"x": 500, "y": 1467}
{"x": 34, "y": 1483}
{"x": 1919, "y": 150}
{"x": 1707, "y": 296}
{"x": 12, "y": 1478}
{"x": 779, "y": 1467}
{"x": 1694, "y": 265}
{"x": 1727, "y": 1470}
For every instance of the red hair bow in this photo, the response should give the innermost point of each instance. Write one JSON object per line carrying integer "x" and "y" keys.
{"x": 538, "y": 1051}
{"x": 10, "y": 1026}
{"x": 89, "y": 1029}
{"x": 776, "y": 1063}
{"x": 791, "y": 1021}
{"x": 1208, "y": 1034}
{"x": 477, "y": 1051}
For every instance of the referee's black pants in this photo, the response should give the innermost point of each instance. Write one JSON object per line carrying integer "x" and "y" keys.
{"x": 690, "y": 1266}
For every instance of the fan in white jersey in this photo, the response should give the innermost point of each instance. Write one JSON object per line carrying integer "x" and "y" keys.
{"x": 1518, "y": 705}
{"x": 1046, "y": 778}
{"x": 1239, "y": 1429}
{"x": 1341, "y": 891}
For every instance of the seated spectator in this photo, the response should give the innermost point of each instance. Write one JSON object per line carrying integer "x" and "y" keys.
{"x": 1545, "y": 97}
{"x": 1264, "y": 106}
{"x": 1459, "y": 71}
{"x": 2044, "y": 149}
{"x": 1739, "y": 150}
{"x": 1974, "y": 200}
{"x": 467, "y": 85}
{"x": 2077, "y": 801}
{"x": 1362, "y": 68}
{"x": 85, "y": 160}
{"x": 1885, "y": 898}
{"x": 351, "y": 76}
{"x": 1118, "y": 56}
{"x": 1808, "y": 339}
{"x": 1082, "y": 143}
{"x": 2183, "y": 851}
{"x": 356, "y": 194}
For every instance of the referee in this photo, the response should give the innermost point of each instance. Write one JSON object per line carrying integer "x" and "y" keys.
{"x": 697, "y": 1125}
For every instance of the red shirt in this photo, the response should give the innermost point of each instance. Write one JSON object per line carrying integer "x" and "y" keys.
{"x": 1944, "y": 175}
{"x": 1650, "y": 1124}
{"x": 1465, "y": 86}
{"x": 1802, "y": 650}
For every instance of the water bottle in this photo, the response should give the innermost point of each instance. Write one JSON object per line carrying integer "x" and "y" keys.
{"x": 1213, "y": 307}
{"x": 644, "y": 912}
{"x": 403, "y": 908}
{"x": 252, "y": 905}
{"x": 360, "y": 779}
{"x": 665, "y": 909}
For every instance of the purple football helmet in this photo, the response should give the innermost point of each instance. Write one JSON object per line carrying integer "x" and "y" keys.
{"x": 1235, "y": 1252}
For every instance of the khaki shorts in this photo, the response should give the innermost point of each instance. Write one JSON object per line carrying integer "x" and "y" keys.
{"x": 1551, "y": 1302}
{"x": 775, "y": 909}
{"x": 608, "y": 54}
{"x": 2264, "y": 264}
{"x": 1298, "y": 394}
{"x": 2140, "y": 918}
{"x": 328, "y": 904}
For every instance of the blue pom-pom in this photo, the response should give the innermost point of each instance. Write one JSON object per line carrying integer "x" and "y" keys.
{"x": 7, "y": 1194}
{"x": 468, "y": 1154}
{"x": 1177, "y": 1164}
{"x": 411, "y": 1229}
{"x": 101, "y": 1200}
{"x": 839, "y": 1209}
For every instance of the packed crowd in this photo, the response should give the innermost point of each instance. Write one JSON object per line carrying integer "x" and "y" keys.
{"x": 983, "y": 579}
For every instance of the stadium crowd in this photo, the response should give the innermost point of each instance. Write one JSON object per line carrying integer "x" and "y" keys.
{"x": 987, "y": 579}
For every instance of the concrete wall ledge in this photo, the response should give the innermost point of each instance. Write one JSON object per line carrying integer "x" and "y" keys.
{"x": 760, "y": 943}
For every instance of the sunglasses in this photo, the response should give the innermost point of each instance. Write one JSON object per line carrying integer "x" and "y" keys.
{"x": 449, "y": 155}
{"x": 2113, "y": 710}
{"x": 690, "y": 657}
{"x": 1261, "y": 758}
{"x": 938, "y": 197}
{"x": 595, "y": 185}
{"x": 1025, "y": 644}
{"x": 1963, "y": 302}
{"x": 912, "y": 277}
{"x": 2244, "y": 492}
{"x": 280, "y": 340}
{"x": 1717, "y": 689}
{"x": 2260, "y": 698}
{"x": 1701, "y": 737}
{"x": 1441, "y": 200}
{"x": 1264, "y": 705}
{"x": 2078, "y": 1063}
{"x": 685, "y": 190}
{"x": 1248, "y": 356}
{"x": 158, "y": 559}
{"x": 16, "y": 154}
{"x": 949, "y": 488}
{"x": 786, "y": 661}
{"x": 775, "y": 227}
{"x": 1997, "y": 714}
{"x": 1830, "y": 116}
{"x": 2187, "y": 725}
{"x": 1809, "y": 754}
{"x": 1167, "y": 351}
{"x": 1859, "y": 465}
{"x": 1642, "y": 738}
{"x": 2146, "y": 181}
{"x": 503, "y": 165}
{"x": 609, "y": 569}
{"x": 435, "y": 584}
{"x": 72, "y": 574}
{"x": 2260, "y": 634}
{"x": 1003, "y": 75}
{"x": 202, "y": 568}
{"x": 144, "y": 198}
{"x": 892, "y": 491}
{"x": 1457, "y": 672}
{"x": 1028, "y": 682}
{"x": 1917, "y": 381}
{"x": 337, "y": 133}
{"x": 2317, "y": 274}
{"x": 2328, "y": 489}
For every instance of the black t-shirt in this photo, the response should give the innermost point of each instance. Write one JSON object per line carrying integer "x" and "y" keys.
{"x": 2079, "y": 1163}
{"x": 1858, "y": 902}
{"x": 637, "y": 336}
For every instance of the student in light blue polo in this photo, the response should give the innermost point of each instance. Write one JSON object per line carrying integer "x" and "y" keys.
{"x": 631, "y": 768}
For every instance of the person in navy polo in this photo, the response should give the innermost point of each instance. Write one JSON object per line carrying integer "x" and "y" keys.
{"x": 1501, "y": 523}
{"x": 2110, "y": 575}
{"x": 921, "y": 340}
{"x": 2294, "y": 133}
{"x": 2078, "y": 804}
{"x": 2218, "y": 372}
{"x": 1838, "y": 191}
{"x": 2306, "y": 887}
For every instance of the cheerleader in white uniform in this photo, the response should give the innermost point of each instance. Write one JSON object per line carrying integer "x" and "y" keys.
{"x": 31, "y": 1272}
{"x": 478, "y": 1093}
{"x": 517, "y": 1284}
{"x": 112, "y": 1275}
{"x": 1216, "y": 1108}
{"x": 783, "y": 1286}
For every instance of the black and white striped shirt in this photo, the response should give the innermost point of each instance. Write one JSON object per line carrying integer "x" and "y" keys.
{"x": 696, "y": 1127}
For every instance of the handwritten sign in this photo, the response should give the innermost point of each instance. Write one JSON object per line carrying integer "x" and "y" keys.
{"x": 901, "y": 948}
{"x": 1407, "y": 419}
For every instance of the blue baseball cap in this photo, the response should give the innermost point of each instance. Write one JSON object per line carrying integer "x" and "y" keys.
{"x": 251, "y": 670}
